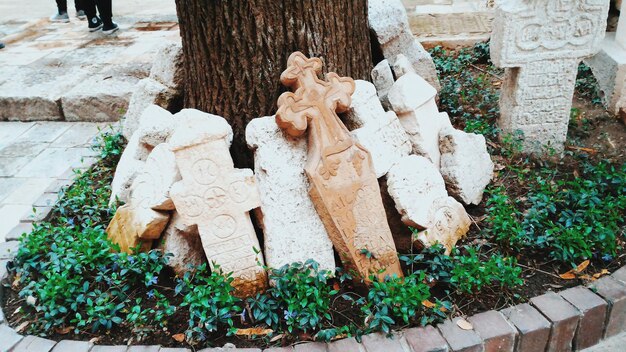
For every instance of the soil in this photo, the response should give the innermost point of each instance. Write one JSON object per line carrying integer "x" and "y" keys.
{"x": 593, "y": 132}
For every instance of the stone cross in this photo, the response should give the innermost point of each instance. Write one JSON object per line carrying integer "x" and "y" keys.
{"x": 541, "y": 43}
{"x": 217, "y": 197}
{"x": 344, "y": 188}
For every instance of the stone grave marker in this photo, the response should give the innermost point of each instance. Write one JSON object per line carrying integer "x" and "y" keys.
{"x": 283, "y": 186}
{"x": 541, "y": 43}
{"x": 344, "y": 187}
{"x": 217, "y": 197}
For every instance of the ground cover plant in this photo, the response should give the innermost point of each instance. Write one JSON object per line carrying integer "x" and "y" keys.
{"x": 539, "y": 219}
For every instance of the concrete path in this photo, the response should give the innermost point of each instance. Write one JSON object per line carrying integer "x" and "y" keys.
{"x": 614, "y": 344}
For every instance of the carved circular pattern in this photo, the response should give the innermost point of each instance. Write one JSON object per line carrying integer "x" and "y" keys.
{"x": 205, "y": 171}
{"x": 193, "y": 206}
{"x": 215, "y": 197}
{"x": 238, "y": 191}
{"x": 224, "y": 226}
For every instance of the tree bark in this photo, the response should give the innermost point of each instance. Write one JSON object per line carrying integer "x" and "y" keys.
{"x": 235, "y": 51}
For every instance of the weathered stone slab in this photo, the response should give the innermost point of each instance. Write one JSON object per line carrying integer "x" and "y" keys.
{"x": 386, "y": 140}
{"x": 344, "y": 187}
{"x": 217, "y": 197}
{"x": 151, "y": 187}
{"x": 283, "y": 187}
{"x": 146, "y": 92}
{"x": 167, "y": 67}
{"x": 135, "y": 226}
{"x": 450, "y": 223}
{"x": 415, "y": 183}
{"x": 540, "y": 43}
{"x": 466, "y": 166}
{"x": 131, "y": 162}
{"x": 413, "y": 99}
{"x": 402, "y": 66}
{"x": 382, "y": 77}
{"x": 388, "y": 20}
{"x": 101, "y": 97}
{"x": 364, "y": 108}
{"x": 156, "y": 125}
{"x": 184, "y": 243}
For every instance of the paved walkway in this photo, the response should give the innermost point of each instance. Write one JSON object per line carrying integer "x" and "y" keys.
{"x": 36, "y": 160}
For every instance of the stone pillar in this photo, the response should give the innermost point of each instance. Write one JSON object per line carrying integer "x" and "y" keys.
{"x": 540, "y": 43}
{"x": 609, "y": 67}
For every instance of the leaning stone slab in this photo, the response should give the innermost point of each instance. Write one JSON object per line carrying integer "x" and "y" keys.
{"x": 146, "y": 92}
{"x": 382, "y": 77}
{"x": 364, "y": 108}
{"x": 151, "y": 187}
{"x": 541, "y": 43}
{"x": 184, "y": 243}
{"x": 389, "y": 22}
{"x": 283, "y": 187}
{"x": 386, "y": 140}
{"x": 136, "y": 227}
{"x": 413, "y": 99}
{"x": 450, "y": 223}
{"x": 414, "y": 183}
{"x": 167, "y": 68}
{"x": 131, "y": 162}
{"x": 156, "y": 125}
{"x": 402, "y": 66}
{"x": 217, "y": 197}
{"x": 344, "y": 187}
{"x": 465, "y": 164}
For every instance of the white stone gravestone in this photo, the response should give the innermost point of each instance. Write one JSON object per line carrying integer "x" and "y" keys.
{"x": 541, "y": 43}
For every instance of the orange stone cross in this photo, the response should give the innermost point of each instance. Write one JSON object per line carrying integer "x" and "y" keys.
{"x": 344, "y": 187}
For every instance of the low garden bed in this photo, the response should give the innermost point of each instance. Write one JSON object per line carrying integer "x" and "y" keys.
{"x": 544, "y": 224}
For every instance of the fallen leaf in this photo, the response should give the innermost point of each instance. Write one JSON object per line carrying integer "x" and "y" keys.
{"x": 64, "y": 331}
{"x": 582, "y": 266}
{"x": 568, "y": 275}
{"x": 464, "y": 324}
{"x": 428, "y": 304}
{"x": 179, "y": 337}
{"x": 276, "y": 338}
{"x": 601, "y": 273}
{"x": 336, "y": 286}
{"x": 253, "y": 331}
{"x": 443, "y": 309}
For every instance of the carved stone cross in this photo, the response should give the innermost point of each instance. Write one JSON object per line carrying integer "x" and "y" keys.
{"x": 217, "y": 197}
{"x": 344, "y": 188}
{"x": 541, "y": 43}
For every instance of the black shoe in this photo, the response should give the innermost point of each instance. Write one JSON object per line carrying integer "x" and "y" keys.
{"x": 95, "y": 24}
{"x": 110, "y": 28}
{"x": 1, "y": 45}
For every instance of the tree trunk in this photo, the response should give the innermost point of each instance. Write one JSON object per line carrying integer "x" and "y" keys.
{"x": 235, "y": 51}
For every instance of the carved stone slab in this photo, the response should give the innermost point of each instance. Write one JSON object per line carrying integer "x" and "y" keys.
{"x": 344, "y": 188}
{"x": 283, "y": 186}
{"x": 151, "y": 187}
{"x": 541, "y": 43}
{"x": 217, "y": 197}
{"x": 450, "y": 223}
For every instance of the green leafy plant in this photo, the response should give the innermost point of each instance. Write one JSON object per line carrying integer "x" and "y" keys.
{"x": 471, "y": 273}
{"x": 300, "y": 295}
{"x": 210, "y": 299}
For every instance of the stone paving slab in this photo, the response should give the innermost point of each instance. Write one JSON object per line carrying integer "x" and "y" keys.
{"x": 34, "y": 161}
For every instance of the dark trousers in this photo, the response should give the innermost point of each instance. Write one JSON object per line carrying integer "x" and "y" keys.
{"x": 62, "y": 5}
{"x": 105, "y": 9}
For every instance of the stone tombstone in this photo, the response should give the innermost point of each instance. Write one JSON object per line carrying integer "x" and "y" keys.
{"x": 217, "y": 198}
{"x": 609, "y": 67}
{"x": 344, "y": 187}
{"x": 283, "y": 186}
{"x": 541, "y": 43}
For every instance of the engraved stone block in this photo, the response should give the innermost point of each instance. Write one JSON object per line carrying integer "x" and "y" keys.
{"x": 540, "y": 43}
{"x": 449, "y": 223}
{"x": 283, "y": 187}
{"x": 151, "y": 187}
{"x": 217, "y": 197}
{"x": 344, "y": 187}
{"x": 186, "y": 246}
